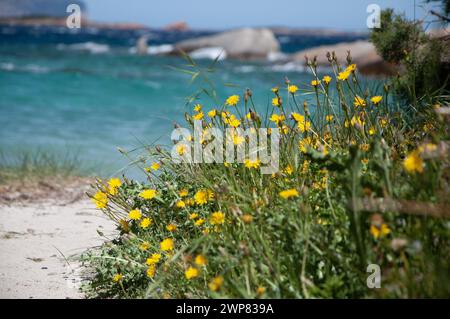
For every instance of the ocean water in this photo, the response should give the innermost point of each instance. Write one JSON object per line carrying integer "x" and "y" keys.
{"x": 86, "y": 92}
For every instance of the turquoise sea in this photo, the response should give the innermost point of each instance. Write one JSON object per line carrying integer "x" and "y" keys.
{"x": 87, "y": 93}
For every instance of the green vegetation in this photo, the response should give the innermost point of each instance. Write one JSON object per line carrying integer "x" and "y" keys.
{"x": 363, "y": 180}
{"x": 404, "y": 43}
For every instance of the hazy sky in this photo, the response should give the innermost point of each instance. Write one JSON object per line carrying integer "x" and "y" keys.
{"x": 214, "y": 14}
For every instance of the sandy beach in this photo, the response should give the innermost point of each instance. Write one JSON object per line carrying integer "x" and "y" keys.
{"x": 40, "y": 243}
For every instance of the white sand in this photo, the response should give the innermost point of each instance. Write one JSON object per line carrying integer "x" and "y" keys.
{"x": 31, "y": 235}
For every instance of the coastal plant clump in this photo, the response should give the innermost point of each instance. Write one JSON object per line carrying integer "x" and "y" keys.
{"x": 362, "y": 181}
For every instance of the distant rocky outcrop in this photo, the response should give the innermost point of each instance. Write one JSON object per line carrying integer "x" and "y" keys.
{"x": 36, "y": 8}
{"x": 363, "y": 53}
{"x": 240, "y": 43}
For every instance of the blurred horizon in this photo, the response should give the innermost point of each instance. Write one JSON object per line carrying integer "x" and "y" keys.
{"x": 201, "y": 14}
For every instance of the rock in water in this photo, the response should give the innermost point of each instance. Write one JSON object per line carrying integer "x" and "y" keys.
{"x": 241, "y": 43}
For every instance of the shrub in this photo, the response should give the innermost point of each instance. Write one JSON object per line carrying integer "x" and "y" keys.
{"x": 358, "y": 184}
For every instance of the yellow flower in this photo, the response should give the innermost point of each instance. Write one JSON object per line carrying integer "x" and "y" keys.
{"x": 117, "y": 277}
{"x": 167, "y": 244}
{"x": 183, "y": 193}
{"x": 193, "y": 216}
{"x": 276, "y": 101}
{"x": 216, "y": 283}
{"x": 427, "y": 148}
{"x": 100, "y": 199}
{"x": 234, "y": 122}
{"x": 383, "y": 122}
{"x": 155, "y": 166}
{"x": 342, "y": 76}
{"x": 151, "y": 271}
{"x": 371, "y": 131}
{"x": 275, "y": 90}
{"x": 413, "y": 162}
{"x": 315, "y": 83}
{"x": 146, "y": 222}
{"x": 181, "y": 149}
{"x": 148, "y": 194}
{"x": 154, "y": 259}
{"x": 247, "y": 218}
{"x": 198, "y": 116}
{"x": 376, "y": 99}
{"x": 289, "y": 193}
{"x": 200, "y": 260}
{"x": 297, "y": 117}
{"x": 277, "y": 119}
{"x": 359, "y": 101}
{"x": 292, "y": 89}
{"x": 252, "y": 164}
{"x": 203, "y": 196}
{"x": 288, "y": 170}
{"x": 212, "y": 113}
{"x": 260, "y": 290}
{"x": 135, "y": 214}
{"x": 190, "y": 202}
{"x": 329, "y": 118}
{"x": 364, "y": 147}
{"x": 144, "y": 246}
{"x": 238, "y": 140}
{"x": 197, "y": 107}
{"x": 114, "y": 184}
{"x": 304, "y": 125}
{"x": 180, "y": 204}
{"x": 357, "y": 121}
{"x": 327, "y": 79}
{"x": 191, "y": 272}
{"x": 232, "y": 100}
{"x": 351, "y": 67}
{"x": 199, "y": 222}
{"x": 171, "y": 227}
{"x": 382, "y": 231}
{"x": 217, "y": 218}
{"x": 125, "y": 226}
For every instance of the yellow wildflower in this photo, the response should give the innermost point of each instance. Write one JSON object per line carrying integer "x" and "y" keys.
{"x": 193, "y": 216}
{"x": 276, "y": 101}
{"x": 232, "y": 100}
{"x": 277, "y": 119}
{"x": 151, "y": 270}
{"x": 371, "y": 131}
{"x": 292, "y": 89}
{"x": 167, "y": 244}
{"x": 342, "y": 76}
{"x": 234, "y": 122}
{"x": 252, "y": 164}
{"x": 212, "y": 113}
{"x": 202, "y": 196}
{"x": 144, "y": 246}
{"x": 383, "y": 122}
{"x": 155, "y": 166}
{"x": 199, "y": 222}
{"x": 216, "y": 283}
{"x": 329, "y": 118}
{"x": 181, "y": 149}
{"x": 191, "y": 272}
{"x": 114, "y": 184}
{"x": 180, "y": 204}
{"x": 315, "y": 83}
{"x": 154, "y": 259}
{"x": 379, "y": 232}
{"x": 198, "y": 116}
{"x": 135, "y": 214}
{"x": 200, "y": 260}
{"x": 288, "y": 170}
{"x": 289, "y": 193}
{"x": 275, "y": 90}
{"x": 327, "y": 79}
{"x": 148, "y": 194}
{"x": 376, "y": 99}
{"x": 351, "y": 67}
{"x": 100, "y": 199}
{"x": 359, "y": 101}
{"x": 413, "y": 162}
{"x": 238, "y": 139}
{"x": 357, "y": 121}
{"x": 197, "y": 107}
{"x": 217, "y": 218}
{"x": 146, "y": 222}
{"x": 171, "y": 227}
{"x": 183, "y": 193}
{"x": 247, "y": 218}
{"x": 117, "y": 277}
{"x": 260, "y": 290}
